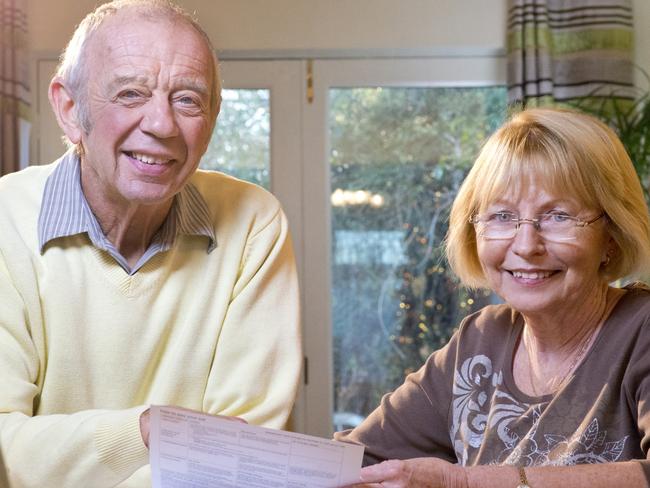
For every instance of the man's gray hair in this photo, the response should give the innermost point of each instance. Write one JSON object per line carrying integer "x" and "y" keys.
{"x": 72, "y": 64}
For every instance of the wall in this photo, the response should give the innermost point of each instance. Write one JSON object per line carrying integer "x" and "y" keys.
{"x": 286, "y": 27}
{"x": 311, "y": 28}
{"x": 310, "y": 24}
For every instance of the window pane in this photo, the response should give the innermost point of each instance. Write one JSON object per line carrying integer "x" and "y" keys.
{"x": 398, "y": 156}
{"x": 240, "y": 144}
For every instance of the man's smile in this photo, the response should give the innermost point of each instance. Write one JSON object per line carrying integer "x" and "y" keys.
{"x": 148, "y": 159}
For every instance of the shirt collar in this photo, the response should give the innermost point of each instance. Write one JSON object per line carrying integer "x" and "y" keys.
{"x": 65, "y": 211}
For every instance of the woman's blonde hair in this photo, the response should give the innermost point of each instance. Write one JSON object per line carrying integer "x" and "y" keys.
{"x": 566, "y": 153}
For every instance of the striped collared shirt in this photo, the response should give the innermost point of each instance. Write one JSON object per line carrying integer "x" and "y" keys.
{"x": 65, "y": 212}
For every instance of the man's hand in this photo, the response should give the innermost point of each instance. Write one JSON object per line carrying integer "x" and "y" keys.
{"x": 144, "y": 422}
{"x": 144, "y": 427}
{"x": 418, "y": 472}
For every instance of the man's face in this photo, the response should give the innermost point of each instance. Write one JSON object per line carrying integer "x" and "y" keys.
{"x": 149, "y": 84}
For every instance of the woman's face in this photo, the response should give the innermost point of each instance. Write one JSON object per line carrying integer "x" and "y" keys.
{"x": 541, "y": 277}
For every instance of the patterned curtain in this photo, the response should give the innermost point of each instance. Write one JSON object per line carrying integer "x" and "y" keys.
{"x": 14, "y": 83}
{"x": 569, "y": 51}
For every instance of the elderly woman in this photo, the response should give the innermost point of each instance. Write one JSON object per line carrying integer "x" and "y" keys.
{"x": 551, "y": 388}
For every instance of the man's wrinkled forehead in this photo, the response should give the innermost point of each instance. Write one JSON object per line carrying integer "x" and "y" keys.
{"x": 134, "y": 20}
{"x": 112, "y": 42}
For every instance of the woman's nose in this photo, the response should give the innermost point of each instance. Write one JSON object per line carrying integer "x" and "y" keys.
{"x": 527, "y": 240}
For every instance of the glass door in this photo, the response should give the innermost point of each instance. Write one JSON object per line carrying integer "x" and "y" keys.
{"x": 396, "y": 141}
{"x": 397, "y": 157}
{"x": 241, "y": 142}
{"x": 258, "y": 131}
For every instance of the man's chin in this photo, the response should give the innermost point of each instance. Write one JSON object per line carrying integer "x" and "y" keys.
{"x": 148, "y": 194}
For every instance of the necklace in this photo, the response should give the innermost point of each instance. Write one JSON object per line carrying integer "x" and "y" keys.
{"x": 560, "y": 380}
{"x": 556, "y": 382}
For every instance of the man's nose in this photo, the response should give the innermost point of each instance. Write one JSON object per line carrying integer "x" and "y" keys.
{"x": 159, "y": 118}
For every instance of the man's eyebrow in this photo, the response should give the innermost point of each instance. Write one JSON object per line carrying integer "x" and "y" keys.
{"x": 193, "y": 85}
{"x": 120, "y": 81}
{"x": 180, "y": 84}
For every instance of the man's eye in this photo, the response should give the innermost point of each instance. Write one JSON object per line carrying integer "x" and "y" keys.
{"x": 130, "y": 94}
{"x": 188, "y": 101}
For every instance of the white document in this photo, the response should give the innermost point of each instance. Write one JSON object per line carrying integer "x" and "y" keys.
{"x": 193, "y": 450}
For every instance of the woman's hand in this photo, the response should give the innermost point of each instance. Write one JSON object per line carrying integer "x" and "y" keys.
{"x": 418, "y": 472}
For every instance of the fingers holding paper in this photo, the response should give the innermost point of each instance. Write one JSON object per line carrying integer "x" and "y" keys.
{"x": 145, "y": 422}
{"x": 418, "y": 472}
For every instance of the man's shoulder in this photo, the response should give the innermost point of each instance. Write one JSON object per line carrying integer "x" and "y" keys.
{"x": 24, "y": 187}
{"x": 21, "y": 194}
{"x": 226, "y": 194}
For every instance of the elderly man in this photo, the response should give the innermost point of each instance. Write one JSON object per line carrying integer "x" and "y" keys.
{"x": 129, "y": 278}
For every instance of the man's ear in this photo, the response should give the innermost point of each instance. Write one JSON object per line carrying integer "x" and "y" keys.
{"x": 65, "y": 109}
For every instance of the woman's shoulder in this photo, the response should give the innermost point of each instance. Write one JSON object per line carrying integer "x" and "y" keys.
{"x": 638, "y": 288}
{"x": 635, "y": 302}
{"x": 629, "y": 321}
{"x": 490, "y": 327}
{"x": 625, "y": 338}
{"x": 497, "y": 316}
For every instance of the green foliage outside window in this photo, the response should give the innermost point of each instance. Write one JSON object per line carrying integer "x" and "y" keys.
{"x": 413, "y": 148}
{"x": 240, "y": 141}
{"x": 630, "y": 119}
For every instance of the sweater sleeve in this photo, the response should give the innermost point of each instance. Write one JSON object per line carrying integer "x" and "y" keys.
{"x": 257, "y": 363}
{"x": 412, "y": 421}
{"x": 96, "y": 448}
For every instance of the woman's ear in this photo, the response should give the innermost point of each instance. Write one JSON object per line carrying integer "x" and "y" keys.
{"x": 609, "y": 252}
{"x": 65, "y": 109}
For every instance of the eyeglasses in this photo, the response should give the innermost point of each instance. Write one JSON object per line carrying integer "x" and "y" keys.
{"x": 552, "y": 226}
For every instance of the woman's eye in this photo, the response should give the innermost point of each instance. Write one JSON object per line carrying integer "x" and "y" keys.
{"x": 559, "y": 217}
{"x": 501, "y": 217}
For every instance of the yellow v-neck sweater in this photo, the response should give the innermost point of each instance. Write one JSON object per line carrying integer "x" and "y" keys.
{"x": 85, "y": 348}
